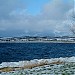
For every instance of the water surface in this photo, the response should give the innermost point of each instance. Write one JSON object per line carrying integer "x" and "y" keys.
{"x": 29, "y": 51}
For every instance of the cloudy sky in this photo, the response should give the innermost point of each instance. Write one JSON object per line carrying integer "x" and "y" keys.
{"x": 36, "y": 17}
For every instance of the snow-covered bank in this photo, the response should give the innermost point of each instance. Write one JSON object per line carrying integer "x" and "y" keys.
{"x": 54, "y": 66}
{"x": 37, "y": 62}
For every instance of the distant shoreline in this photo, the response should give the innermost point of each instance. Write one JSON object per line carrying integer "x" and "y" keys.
{"x": 29, "y": 39}
{"x": 38, "y": 42}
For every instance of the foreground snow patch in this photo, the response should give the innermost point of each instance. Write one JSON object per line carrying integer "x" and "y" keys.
{"x": 37, "y": 62}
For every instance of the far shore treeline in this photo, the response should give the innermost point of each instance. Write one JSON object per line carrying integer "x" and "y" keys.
{"x": 60, "y": 39}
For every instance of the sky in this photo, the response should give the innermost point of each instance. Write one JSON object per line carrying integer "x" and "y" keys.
{"x": 36, "y": 18}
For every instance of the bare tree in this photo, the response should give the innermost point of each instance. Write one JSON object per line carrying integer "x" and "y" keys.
{"x": 72, "y": 28}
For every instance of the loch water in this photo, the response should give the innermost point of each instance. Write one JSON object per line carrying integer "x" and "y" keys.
{"x": 12, "y": 52}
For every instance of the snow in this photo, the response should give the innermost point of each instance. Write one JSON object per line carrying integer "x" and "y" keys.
{"x": 67, "y": 68}
{"x": 36, "y": 61}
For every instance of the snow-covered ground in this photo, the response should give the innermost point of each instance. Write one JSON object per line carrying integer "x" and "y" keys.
{"x": 56, "y": 66}
{"x": 36, "y": 61}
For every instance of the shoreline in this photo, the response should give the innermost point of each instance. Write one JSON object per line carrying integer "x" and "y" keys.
{"x": 14, "y": 66}
{"x": 53, "y": 66}
{"x": 38, "y": 42}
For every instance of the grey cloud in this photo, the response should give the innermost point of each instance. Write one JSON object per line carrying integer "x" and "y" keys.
{"x": 51, "y": 20}
{"x": 56, "y": 9}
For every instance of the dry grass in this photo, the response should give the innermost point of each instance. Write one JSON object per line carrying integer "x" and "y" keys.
{"x": 57, "y": 62}
{"x": 8, "y": 69}
{"x": 30, "y": 66}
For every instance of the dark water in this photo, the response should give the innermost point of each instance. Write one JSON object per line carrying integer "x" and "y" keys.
{"x": 30, "y": 51}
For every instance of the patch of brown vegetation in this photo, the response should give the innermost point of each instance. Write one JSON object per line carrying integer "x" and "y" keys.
{"x": 8, "y": 69}
{"x": 57, "y": 62}
{"x": 35, "y": 65}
